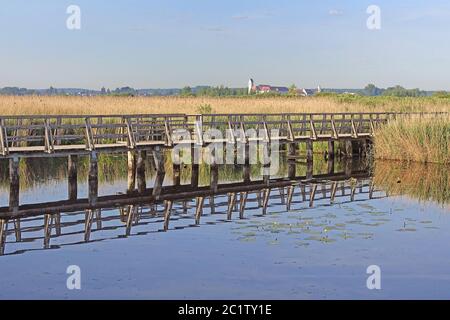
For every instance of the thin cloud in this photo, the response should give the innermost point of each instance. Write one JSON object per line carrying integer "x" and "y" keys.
{"x": 240, "y": 17}
{"x": 426, "y": 14}
{"x": 264, "y": 15}
{"x": 335, "y": 12}
{"x": 213, "y": 29}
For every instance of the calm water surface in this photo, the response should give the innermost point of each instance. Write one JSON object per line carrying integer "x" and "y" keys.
{"x": 321, "y": 252}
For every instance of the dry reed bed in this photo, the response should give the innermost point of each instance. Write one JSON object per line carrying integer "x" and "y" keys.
{"x": 65, "y": 105}
{"x": 415, "y": 139}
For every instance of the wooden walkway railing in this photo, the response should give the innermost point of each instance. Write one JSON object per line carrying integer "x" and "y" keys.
{"x": 56, "y": 135}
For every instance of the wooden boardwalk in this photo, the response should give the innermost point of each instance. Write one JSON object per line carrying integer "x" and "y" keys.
{"x": 38, "y": 136}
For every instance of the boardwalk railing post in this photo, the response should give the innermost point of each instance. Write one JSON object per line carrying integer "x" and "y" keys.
{"x": 3, "y": 138}
{"x": 90, "y": 145}
{"x": 313, "y": 132}
{"x": 199, "y": 130}
{"x": 335, "y": 134}
{"x": 48, "y": 137}
{"x": 168, "y": 131}
{"x": 291, "y": 136}
{"x": 131, "y": 142}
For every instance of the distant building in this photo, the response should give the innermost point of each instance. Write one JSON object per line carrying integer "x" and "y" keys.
{"x": 265, "y": 88}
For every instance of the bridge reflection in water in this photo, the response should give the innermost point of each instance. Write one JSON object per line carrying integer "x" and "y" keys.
{"x": 150, "y": 210}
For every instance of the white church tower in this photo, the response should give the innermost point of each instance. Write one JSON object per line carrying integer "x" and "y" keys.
{"x": 250, "y": 86}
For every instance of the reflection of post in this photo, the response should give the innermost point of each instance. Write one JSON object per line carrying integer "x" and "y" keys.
{"x": 195, "y": 160}
{"x": 176, "y": 166}
{"x": 266, "y": 174}
{"x": 364, "y": 147}
{"x": 168, "y": 204}
{"x": 291, "y": 169}
{"x": 214, "y": 177}
{"x": 72, "y": 175}
{"x": 158, "y": 157}
{"x": 309, "y": 151}
{"x": 246, "y": 173}
{"x": 330, "y": 164}
{"x": 348, "y": 166}
{"x": 131, "y": 171}
{"x": 292, "y": 149}
{"x": 14, "y": 190}
{"x": 199, "y": 209}
{"x": 330, "y": 149}
{"x": 348, "y": 148}
{"x": 93, "y": 178}
{"x": 247, "y": 153}
{"x": 3, "y": 224}
{"x": 140, "y": 171}
{"x": 309, "y": 170}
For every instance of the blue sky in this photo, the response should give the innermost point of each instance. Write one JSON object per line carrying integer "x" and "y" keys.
{"x": 173, "y": 43}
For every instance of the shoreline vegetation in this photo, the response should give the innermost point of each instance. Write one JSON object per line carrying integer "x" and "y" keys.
{"x": 414, "y": 139}
{"x": 409, "y": 139}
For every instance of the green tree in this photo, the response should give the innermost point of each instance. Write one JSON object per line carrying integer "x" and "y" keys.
{"x": 292, "y": 90}
{"x": 186, "y": 91}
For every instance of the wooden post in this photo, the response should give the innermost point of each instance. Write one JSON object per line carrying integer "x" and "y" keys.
{"x": 131, "y": 185}
{"x": 72, "y": 176}
{"x": 93, "y": 178}
{"x": 14, "y": 183}
{"x": 140, "y": 171}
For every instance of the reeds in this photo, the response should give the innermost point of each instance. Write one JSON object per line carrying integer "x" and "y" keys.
{"x": 417, "y": 139}
{"x": 64, "y": 105}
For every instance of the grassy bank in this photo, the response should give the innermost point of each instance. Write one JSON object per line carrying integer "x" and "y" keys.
{"x": 415, "y": 139}
{"x": 13, "y": 105}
